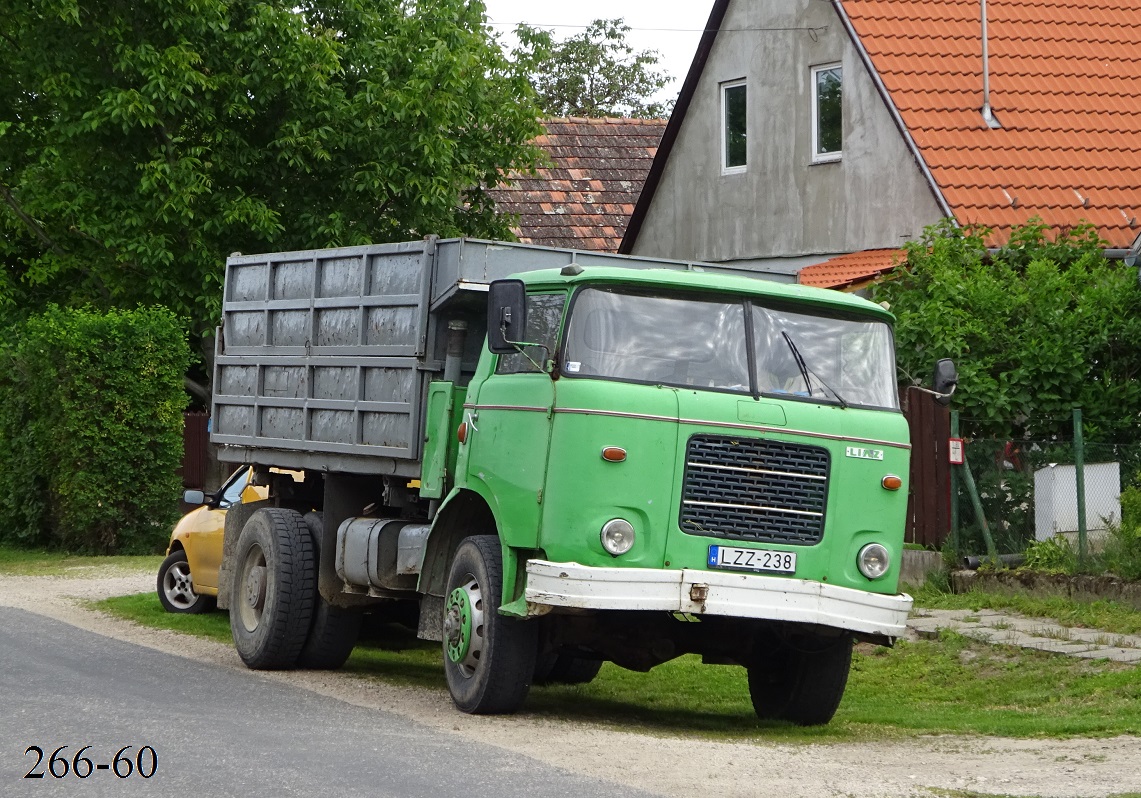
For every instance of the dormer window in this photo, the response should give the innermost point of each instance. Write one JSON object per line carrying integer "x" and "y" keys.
{"x": 734, "y": 130}
{"x": 827, "y": 113}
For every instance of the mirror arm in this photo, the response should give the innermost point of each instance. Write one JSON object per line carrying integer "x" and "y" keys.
{"x": 936, "y": 394}
{"x": 519, "y": 345}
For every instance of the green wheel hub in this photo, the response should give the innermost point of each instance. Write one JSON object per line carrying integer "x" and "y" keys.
{"x": 457, "y": 625}
{"x": 463, "y": 626}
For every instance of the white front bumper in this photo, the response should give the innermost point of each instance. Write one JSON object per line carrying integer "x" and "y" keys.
{"x": 553, "y": 584}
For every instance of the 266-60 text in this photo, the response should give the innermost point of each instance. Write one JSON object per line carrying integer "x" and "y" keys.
{"x": 145, "y": 763}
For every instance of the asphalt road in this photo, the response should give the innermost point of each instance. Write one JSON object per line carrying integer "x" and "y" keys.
{"x": 224, "y": 733}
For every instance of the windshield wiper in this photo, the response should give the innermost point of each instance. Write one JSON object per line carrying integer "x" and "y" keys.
{"x": 805, "y": 371}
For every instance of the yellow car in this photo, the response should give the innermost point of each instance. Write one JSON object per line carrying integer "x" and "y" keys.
{"x": 188, "y": 577}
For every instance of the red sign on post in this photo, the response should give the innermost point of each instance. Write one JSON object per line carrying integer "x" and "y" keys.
{"x": 955, "y": 451}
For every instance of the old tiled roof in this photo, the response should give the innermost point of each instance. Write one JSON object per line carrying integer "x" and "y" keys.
{"x": 585, "y": 200}
{"x": 851, "y": 271}
{"x": 1065, "y": 86}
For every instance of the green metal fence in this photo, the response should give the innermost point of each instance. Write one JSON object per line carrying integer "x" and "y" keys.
{"x": 1028, "y": 490}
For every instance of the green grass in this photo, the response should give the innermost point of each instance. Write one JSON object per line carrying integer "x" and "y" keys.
{"x": 950, "y": 685}
{"x": 144, "y": 608}
{"x": 1109, "y": 616}
{"x": 38, "y": 562}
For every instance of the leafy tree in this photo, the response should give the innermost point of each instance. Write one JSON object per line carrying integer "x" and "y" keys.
{"x": 593, "y": 74}
{"x": 1036, "y": 328}
{"x": 141, "y": 141}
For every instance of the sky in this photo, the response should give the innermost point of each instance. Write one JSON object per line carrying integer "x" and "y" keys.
{"x": 672, "y": 27}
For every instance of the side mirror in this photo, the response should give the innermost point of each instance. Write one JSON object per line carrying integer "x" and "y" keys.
{"x": 506, "y": 316}
{"x": 194, "y": 497}
{"x": 944, "y": 382}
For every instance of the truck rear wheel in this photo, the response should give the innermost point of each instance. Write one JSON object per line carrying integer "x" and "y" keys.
{"x": 800, "y": 679}
{"x": 335, "y": 630}
{"x": 271, "y": 605}
{"x": 489, "y": 659}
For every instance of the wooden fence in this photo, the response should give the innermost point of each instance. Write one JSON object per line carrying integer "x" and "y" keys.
{"x": 929, "y": 500}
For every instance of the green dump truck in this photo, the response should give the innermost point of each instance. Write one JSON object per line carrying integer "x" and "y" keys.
{"x": 559, "y": 459}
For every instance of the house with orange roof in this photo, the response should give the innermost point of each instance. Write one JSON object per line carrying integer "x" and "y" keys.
{"x": 584, "y": 197}
{"x": 813, "y": 137}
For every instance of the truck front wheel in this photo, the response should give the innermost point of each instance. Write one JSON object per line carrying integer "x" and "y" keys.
{"x": 271, "y": 604}
{"x": 800, "y": 679}
{"x": 489, "y": 659}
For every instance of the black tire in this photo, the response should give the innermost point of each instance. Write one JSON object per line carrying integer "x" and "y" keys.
{"x": 335, "y": 630}
{"x": 490, "y": 665}
{"x": 800, "y": 680}
{"x": 566, "y": 668}
{"x": 175, "y": 590}
{"x": 271, "y": 604}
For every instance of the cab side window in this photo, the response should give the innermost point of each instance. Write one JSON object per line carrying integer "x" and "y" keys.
{"x": 544, "y": 317}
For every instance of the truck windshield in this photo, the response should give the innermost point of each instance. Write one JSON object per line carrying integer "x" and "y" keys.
{"x": 698, "y": 342}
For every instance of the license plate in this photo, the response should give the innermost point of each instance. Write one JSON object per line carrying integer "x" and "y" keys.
{"x": 738, "y": 559}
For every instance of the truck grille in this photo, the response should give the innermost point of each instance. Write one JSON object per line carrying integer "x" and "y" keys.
{"x": 754, "y": 489}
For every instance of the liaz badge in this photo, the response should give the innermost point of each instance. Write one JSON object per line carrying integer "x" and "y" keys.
{"x": 865, "y": 454}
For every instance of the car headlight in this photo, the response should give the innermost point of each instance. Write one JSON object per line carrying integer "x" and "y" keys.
{"x": 873, "y": 561}
{"x": 617, "y": 536}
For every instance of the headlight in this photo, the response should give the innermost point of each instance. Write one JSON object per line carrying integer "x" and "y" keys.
{"x": 873, "y": 561}
{"x": 617, "y": 536}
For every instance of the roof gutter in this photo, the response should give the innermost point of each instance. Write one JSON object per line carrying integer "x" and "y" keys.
{"x": 940, "y": 200}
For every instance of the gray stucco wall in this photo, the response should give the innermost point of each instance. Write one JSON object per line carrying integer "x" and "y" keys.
{"x": 784, "y": 207}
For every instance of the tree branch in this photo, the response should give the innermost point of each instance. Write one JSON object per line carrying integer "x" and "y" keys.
{"x": 197, "y": 390}
{"x": 29, "y": 222}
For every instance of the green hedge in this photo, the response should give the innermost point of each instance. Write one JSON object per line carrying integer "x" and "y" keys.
{"x": 91, "y": 429}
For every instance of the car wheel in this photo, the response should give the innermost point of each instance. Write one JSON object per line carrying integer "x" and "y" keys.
{"x": 335, "y": 630}
{"x": 271, "y": 599}
{"x": 489, "y": 659}
{"x": 800, "y": 680}
{"x": 175, "y": 590}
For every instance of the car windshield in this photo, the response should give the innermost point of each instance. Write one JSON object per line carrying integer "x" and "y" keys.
{"x": 701, "y": 342}
{"x": 231, "y": 492}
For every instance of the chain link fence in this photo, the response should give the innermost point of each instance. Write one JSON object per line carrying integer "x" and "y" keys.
{"x": 1027, "y": 491}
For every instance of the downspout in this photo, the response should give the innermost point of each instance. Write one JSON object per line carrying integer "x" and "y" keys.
{"x": 940, "y": 200}
{"x": 988, "y": 112}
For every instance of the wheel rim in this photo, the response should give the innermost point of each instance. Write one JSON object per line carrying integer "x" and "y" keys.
{"x": 255, "y": 586}
{"x": 464, "y": 627}
{"x": 177, "y": 587}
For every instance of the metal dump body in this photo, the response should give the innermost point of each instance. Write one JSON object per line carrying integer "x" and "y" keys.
{"x": 324, "y": 357}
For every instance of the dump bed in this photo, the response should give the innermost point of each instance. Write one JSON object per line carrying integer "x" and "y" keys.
{"x": 324, "y": 357}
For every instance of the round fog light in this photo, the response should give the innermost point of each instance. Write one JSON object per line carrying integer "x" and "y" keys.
{"x": 617, "y": 536}
{"x": 873, "y": 561}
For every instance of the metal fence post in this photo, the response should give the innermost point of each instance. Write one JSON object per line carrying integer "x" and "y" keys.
{"x": 1080, "y": 483}
{"x": 955, "y": 490}
{"x": 976, "y": 502}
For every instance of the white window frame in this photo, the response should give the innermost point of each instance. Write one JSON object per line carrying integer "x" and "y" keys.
{"x": 827, "y": 157}
{"x": 724, "y": 126}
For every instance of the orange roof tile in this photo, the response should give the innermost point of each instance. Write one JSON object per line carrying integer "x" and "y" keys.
{"x": 585, "y": 200}
{"x": 851, "y": 271}
{"x": 1065, "y": 85}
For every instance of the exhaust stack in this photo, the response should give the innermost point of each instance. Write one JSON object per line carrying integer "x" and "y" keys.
{"x": 988, "y": 112}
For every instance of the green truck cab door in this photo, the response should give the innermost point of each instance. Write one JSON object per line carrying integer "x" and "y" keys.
{"x": 509, "y": 427}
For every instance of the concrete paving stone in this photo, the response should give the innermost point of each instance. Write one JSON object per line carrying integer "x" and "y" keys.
{"x": 1107, "y": 639}
{"x": 1001, "y": 628}
{"x": 1128, "y": 656}
{"x": 1059, "y": 647}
